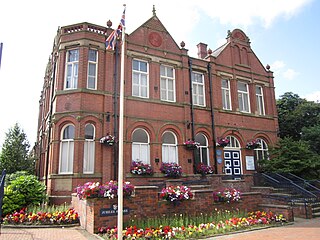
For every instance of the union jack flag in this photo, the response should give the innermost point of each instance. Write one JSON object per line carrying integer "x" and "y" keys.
{"x": 111, "y": 40}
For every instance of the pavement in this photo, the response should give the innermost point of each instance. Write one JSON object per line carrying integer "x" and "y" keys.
{"x": 301, "y": 229}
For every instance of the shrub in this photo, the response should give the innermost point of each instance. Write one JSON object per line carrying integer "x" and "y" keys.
{"x": 22, "y": 192}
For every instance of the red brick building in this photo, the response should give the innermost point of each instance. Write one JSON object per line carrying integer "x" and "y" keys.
{"x": 170, "y": 97}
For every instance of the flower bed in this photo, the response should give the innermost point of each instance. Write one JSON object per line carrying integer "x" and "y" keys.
{"x": 186, "y": 231}
{"x": 108, "y": 190}
{"x": 204, "y": 169}
{"x": 227, "y": 195}
{"x": 42, "y": 218}
{"x": 108, "y": 140}
{"x": 140, "y": 168}
{"x": 171, "y": 170}
{"x": 190, "y": 144}
{"x": 176, "y": 194}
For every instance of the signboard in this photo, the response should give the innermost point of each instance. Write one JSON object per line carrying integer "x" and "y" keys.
{"x": 113, "y": 211}
{"x": 219, "y": 152}
{"x": 250, "y": 163}
{"x": 219, "y": 160}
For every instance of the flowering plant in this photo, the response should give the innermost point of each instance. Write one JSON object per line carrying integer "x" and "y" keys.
{"x": 204, "y": 169}
{"x": 190, "y": 144}
{"x": 176, "y": 194}
{"x": 171, "y": 169}
{"x": 69, "y": 216}
{"x": 227, "y": 195}
{"x": 252, "y": 144}
{"x": 222, "y": 142}
{"x": 108, "y": 190}
{"x": 108, "y": 139}
{"x": 140, "y": 168}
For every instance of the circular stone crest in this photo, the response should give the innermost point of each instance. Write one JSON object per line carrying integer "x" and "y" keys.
{"x": 155, "y": 39}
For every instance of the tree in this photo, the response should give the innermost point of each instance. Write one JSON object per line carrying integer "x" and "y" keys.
{"x": 295, "y": 113}
{"x": 14, "y": 154}
{"x": 312, "y": 136}
{"x": 293, "y": 157}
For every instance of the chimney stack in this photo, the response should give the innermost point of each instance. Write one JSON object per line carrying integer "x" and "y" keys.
{"x": 202, "y": 50}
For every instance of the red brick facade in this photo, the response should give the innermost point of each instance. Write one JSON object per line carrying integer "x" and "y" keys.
{"x": 234, "y": 61}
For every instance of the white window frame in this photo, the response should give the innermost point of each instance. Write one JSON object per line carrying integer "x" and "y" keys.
{"x": 233, "y": 142}
{"x": 164, "y": 88}
{"x": 139, "y": 85}
{"x": 170, "y": 150}
{"x": 68, "y": 146}
{"x": 260, "y": 101}
{"x": 263, "y": 149}
{"x": 95, "y": 65}
{"x": 226, "y": 95}
{"x": 71, "y": 81}
{"x": 202, "y": 148}
{"x": 140, "y": 149}
{"x": 89, "y": 152}
{"x": 197, "y": 94}
{"x": 242, "y": 95}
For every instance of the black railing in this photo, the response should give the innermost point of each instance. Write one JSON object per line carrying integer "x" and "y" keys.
{"x": 279, "y": 181}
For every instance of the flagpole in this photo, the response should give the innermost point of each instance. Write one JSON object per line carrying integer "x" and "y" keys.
{"x": 120, "y": 169}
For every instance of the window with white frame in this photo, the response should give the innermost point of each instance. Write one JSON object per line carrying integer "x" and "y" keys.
{"x": 92, "y": 69}
{"x": 89, "y": 149}
{"x": 243, "y": 97}
{"x": 202, "y": 152}
{"x": 233, "y": 142}
{"x": 72, "y": 65}
{"x": 167, "y": 83}
{"x": 198, "y": 89}
{"x": 226, "y": 96}
{"x": 169, "y": 148}
{"x": 140, "y": 146}
{"x": 259, "y": 100}
{"x": 140, "y": 79}
{"x": 262, "y": 151}
{"x": 66, "y": 150}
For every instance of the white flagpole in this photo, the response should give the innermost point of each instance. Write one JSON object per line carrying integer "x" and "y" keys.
{"x": 120, "y": 165}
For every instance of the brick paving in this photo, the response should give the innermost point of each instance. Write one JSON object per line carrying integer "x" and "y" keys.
{"x": 301, "y": 229}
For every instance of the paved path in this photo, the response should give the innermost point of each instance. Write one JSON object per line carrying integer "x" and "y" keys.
{"x": 301, "y": 229}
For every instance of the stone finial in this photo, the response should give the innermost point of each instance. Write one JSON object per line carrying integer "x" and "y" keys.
{"x": 154, "y": 10}
{"x": 109, "y": 24}
{"x": 268, "y": 67}
{"x": 209, "y": 51}
{"x": 182, "y": 44}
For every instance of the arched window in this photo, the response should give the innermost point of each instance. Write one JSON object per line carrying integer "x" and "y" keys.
{"x": 89, "y": 149}
{"x": 169, "y": 148}
{"x": 202, "y": 152}
{"x": 262, "y": 151}
{"x": 140, "y": 146}
{"x": 66, "y": 150}
{"x": 233, "y": 142}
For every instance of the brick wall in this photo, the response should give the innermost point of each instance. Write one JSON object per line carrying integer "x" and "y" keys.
{"x": 146, "y": 203}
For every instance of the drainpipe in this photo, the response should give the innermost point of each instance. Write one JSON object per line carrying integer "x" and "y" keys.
{"x": 212, "y": 119}
{"x": 50, "y": 117}
{"x": 115, "y": 105}
{"x": 192, "y": 111}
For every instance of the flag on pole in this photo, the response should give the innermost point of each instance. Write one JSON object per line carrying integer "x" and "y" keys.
{"x": 111, "y": 40}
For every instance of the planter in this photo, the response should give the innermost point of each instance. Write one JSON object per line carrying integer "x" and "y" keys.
{"x": 190, "y": 146}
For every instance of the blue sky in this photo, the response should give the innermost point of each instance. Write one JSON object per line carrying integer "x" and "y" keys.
{"x": 284, "y": 34}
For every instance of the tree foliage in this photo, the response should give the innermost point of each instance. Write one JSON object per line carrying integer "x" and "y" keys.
{"x": 14, "y": 155}
{"x": 292, "y": 156}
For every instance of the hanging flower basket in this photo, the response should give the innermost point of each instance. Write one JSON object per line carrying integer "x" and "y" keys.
{"x": 227, "y": 195}
{"x": 223, "y": 142}
{"x": 204, "y": 169}
{"x": 140, "y": 168}
{"x": 176, "y": 194}
{"x": 253, "y": 144}
{"x": 107, "y": 140}
{"x": 173, "y": 170}
{"x": 190, "y": 144}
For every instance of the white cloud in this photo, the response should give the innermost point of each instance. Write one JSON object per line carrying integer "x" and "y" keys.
{"x": 247, "y": 12}
{"x": 277, "y": 66}
{"x": 315, "y": 96}
{"x": 290, "y": 74}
